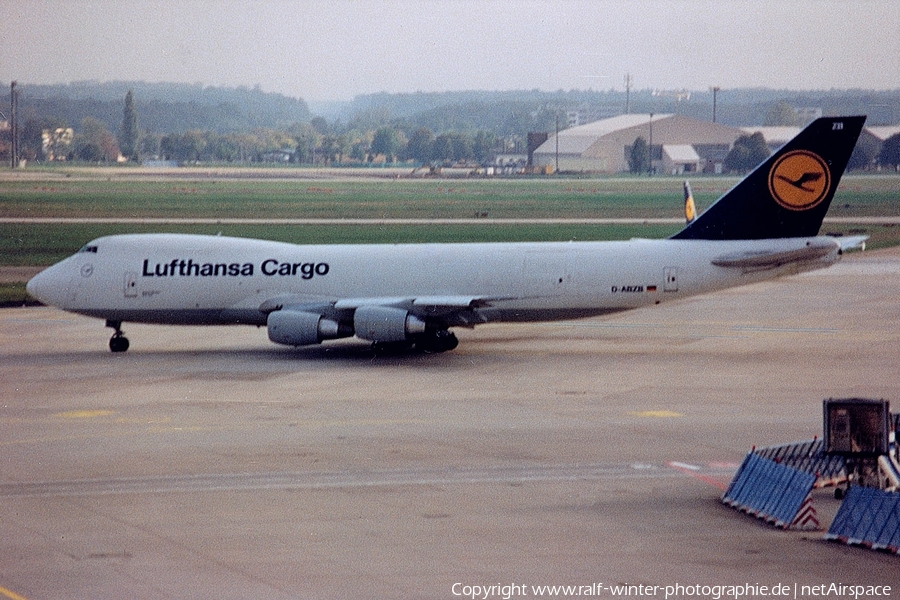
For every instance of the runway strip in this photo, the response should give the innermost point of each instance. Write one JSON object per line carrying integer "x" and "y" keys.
{"x": 226, "y": 221}
{"x": 351, "y": 479}
{"x": 464, "y": 221}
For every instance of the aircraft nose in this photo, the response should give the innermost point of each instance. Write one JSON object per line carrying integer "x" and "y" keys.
{"x": 37, "y": 286}
{"x": 47, "y": 286}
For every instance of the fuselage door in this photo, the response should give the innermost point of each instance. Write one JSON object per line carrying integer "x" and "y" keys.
{"x": 670, "y": 283}
{"x": 131, "y": 284}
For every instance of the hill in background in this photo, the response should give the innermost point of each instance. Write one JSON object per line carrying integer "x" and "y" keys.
{"x": 165, "y": 108}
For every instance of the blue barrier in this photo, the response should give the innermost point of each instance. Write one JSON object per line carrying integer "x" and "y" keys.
{"x": 770, "y": 491}
{"x": 868, "y": 517}
{"x": 810, "y": 457}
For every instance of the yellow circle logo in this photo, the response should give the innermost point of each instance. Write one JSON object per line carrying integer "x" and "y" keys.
{"x": 799, "y": 180}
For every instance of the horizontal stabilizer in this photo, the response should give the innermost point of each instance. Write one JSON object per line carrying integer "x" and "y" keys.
{"x": 852, "y": 242}
{"x": 776, "y": 257}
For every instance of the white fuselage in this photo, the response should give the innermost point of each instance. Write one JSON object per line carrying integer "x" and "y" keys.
{"x": 190, "y": 279}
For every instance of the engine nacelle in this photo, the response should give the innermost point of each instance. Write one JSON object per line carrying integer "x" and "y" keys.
{"x": 298, "y": 328}
{"x": 386, "y": 324}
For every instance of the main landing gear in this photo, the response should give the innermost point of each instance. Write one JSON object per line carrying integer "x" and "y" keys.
{"x": 118, "y": 342}
{"x": 432, "y": 341}
{"x": 436, "y": 341}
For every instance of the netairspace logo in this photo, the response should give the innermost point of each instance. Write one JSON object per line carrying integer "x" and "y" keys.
{"x": 710, "y": 592}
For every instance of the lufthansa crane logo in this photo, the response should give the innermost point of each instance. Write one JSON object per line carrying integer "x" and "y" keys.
{"x": 799, "y": 180}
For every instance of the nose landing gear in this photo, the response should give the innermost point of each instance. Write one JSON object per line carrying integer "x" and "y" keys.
{"x": 118, "y": 342}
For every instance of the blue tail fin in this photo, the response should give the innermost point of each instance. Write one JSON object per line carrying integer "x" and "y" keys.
{"x": 788, "y": 194}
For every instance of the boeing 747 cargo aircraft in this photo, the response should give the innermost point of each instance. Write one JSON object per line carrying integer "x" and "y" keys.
{"x": 413, "y": 294}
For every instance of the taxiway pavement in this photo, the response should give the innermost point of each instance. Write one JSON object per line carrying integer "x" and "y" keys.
{"x": 209, "y": 463}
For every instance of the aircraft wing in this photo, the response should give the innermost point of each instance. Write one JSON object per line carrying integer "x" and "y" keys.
{"x": 457, "y": 308}
{"x": 427, "y": 305}
{"x": 776, "y": 256}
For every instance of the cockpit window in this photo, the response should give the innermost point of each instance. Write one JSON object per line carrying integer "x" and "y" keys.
{"x": 89, "y": 248}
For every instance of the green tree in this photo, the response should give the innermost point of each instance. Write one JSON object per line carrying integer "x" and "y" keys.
{"x": 320, "y": 125}
{"x": 89, "y": 152}
{"x": 463, "y": 149}
{"x": 128, "y": 140}
{"x": 639, "y": 157}
{"x": 419, "y": 145}
{"x": 748, "y": 151}
{"x": 782, "y": 114}
{"x": 386, "y": 142}
{"x": 183, "y": 148}
{"x": 221, "y": 148}
{"x": 305, "y": 140}
{"x": 330, "y": 149}
{"x": 149, "y": 145}
{"x": 482, "y": 146}
{"x": 442, "y": 149}
{"x": 94, "y": 143}
{"x": 861, "y": 158}
{"x": 31, "y": 137}
{"x": 890, "y": 151}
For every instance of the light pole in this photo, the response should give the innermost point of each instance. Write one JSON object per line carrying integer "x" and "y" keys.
{"x": 715, "y": 90}
{"x": 13, "y": 126}
{"x": 557, "y": 145}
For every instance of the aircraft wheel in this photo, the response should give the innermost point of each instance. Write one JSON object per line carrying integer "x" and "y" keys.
{"x": 118, "y": 343}
{"x": 390, "y": 348}
{"x": 439, "y": 340}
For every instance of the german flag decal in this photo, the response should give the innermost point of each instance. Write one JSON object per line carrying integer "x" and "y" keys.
{"x": 799, "y": 180}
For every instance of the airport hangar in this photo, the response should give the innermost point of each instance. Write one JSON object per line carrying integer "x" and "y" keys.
{"x": 679, "y": 144}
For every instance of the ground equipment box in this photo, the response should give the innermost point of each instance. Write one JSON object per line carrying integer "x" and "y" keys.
{"x": 857, "y": 427}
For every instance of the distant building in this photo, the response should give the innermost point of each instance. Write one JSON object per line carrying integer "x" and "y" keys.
{"x": 872, "y": 138}
{"x": 678, "y": 159}
{"x": 535, "y": 139}
{"x": 678, "y": 144}
{"x": 284, "y": 155}
{"x": 584, "y": 114}
{"x": 510, "y": 160}
{"x": 881, "y": 133}
{"x": 808, "y": 114}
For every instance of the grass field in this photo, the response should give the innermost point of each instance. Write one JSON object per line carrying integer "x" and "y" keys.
{"x": 272, "y": 194}
{"x": 345, "y": 199}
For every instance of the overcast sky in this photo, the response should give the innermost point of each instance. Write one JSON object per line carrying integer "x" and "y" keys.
{"x": 335, "y": 50}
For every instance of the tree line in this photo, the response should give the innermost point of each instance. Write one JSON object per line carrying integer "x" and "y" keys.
{"x": 314, "y": 142}
{"x": 244, "y": 125}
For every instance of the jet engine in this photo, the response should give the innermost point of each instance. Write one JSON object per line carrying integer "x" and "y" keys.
{"x": 386, "y": 324}
{"x": 300, "y": 328}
